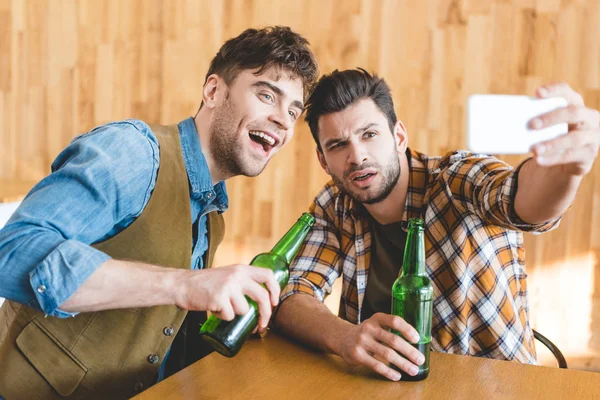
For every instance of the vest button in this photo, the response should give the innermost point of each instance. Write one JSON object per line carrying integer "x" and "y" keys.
{"x": 168, "y": 331}
{"x": 153, "y": 358}
{"x": 41, "y": 289}
{"x": 138, "y": 387}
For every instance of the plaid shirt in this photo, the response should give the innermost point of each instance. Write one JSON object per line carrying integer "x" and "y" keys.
{"x": 474, "y": 249}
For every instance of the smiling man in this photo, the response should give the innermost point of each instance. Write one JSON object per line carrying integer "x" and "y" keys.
{"x": 474, "y": 207}
{"x": 106, "y": 255}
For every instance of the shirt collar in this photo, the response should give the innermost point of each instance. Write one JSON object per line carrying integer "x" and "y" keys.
{"x": 198, "y": 173}
{"x": 418, "y": 181}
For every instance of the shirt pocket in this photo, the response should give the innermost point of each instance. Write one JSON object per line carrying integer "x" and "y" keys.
{"x": 61, "y": 369}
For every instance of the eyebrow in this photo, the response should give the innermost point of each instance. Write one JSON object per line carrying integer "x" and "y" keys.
{"x": 356, "y": 132}
{"x": 364, "y": 128}
{"x": 278, "y": 92}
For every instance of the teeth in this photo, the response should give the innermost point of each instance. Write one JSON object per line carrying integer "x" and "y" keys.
{"x": 261, "y": 135}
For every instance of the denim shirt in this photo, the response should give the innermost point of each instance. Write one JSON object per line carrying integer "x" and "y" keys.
{"x": 98, "y": 186}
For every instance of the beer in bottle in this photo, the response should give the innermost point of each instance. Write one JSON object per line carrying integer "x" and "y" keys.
{"x": 227, "y": 337}
{"x": 412, "y": 295}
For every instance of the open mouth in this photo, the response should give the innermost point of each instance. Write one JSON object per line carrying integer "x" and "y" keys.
{"x": 266, "y": 141}
{"x": 362, "y": 177}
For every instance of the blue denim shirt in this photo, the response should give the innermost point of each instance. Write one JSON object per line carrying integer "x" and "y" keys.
{"x": 98, "y": 186}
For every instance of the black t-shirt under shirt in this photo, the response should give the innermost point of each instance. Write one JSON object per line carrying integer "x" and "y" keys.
{"x": 387, "y": 253}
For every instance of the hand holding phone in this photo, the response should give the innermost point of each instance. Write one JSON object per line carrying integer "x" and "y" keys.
{"x": 499, "y": 124}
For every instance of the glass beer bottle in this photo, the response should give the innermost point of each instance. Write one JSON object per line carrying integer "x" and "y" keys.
{"x": 227, "y": 337}
{"x": 412, "y": 295}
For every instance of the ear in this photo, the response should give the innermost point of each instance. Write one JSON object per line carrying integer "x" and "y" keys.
{"x": 322, "y": 161}
{"x": 210, "y": 90}
{"x": 401, "y": 137}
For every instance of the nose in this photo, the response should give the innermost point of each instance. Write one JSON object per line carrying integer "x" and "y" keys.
{"x": 357, "y": 154}
{"x": 281, "y": 118}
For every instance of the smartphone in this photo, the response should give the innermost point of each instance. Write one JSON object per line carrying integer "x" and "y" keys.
{"x": 498, "y": 124}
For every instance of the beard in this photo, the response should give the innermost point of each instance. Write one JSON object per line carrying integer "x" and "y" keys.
{"x": 390, "y": 175}
{"x": 227, "y": 147}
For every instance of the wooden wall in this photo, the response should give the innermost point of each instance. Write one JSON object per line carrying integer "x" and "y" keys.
{"x": 69, "y": 65}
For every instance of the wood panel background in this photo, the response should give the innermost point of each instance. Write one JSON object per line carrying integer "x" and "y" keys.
{"x": 69, "y": 65}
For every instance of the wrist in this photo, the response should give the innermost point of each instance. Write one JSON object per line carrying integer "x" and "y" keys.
{"x": 337, "y": 342}
{"x": 171, "y": 286}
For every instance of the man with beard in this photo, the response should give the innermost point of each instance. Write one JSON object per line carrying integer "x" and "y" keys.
{"x": 105, "y": 255}
{"x": 475, "y": 208}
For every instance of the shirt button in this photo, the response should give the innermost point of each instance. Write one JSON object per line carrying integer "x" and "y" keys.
{"x": 41, "y": 289}
{"x": 138, "y": 387}
{"x": 168, "y": 331}
{"x": 153, "y": 358}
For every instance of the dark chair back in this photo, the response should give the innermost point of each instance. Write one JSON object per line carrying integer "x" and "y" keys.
{"x": 562, "y": 363}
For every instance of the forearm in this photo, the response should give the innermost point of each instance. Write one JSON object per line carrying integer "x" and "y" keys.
{"x": 307, "y": 319}
{"x": 124, "y": 284}
{"x": 544, "y": 193}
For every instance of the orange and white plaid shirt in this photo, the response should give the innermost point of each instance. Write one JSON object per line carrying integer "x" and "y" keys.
{"x": 474, "y": 249}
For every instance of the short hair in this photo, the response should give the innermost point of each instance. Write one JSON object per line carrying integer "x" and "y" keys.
{"x": 340, "y": 89}
{"x": 277, "y": 46}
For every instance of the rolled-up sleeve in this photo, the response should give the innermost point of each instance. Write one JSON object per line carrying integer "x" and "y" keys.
{"x": 487, "y": 187}
{"x": 99, "y": 184}
{"x": 317, "y": 264}
{"x": 65, "y": 267}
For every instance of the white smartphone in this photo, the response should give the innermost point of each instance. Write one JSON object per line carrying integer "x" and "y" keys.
{"x": 498, "y": 124}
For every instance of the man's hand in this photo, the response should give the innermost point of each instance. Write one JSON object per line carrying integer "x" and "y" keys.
{"x": 221, "y": 291}
{"x": 371, "y": 344}
{"x": 576, "y": 151}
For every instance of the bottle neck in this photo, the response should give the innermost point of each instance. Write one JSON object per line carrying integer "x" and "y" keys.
{"x": 414, "y": 252}
{"x": 290, "y": 243}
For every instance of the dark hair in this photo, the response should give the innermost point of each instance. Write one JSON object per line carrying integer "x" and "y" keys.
{"x": 277, "y": 46}
{"x": 340, "y": 89}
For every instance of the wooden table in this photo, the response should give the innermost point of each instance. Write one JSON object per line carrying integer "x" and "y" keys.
{"x": 276, "y": 368}
{"x": 14, "y": 190}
